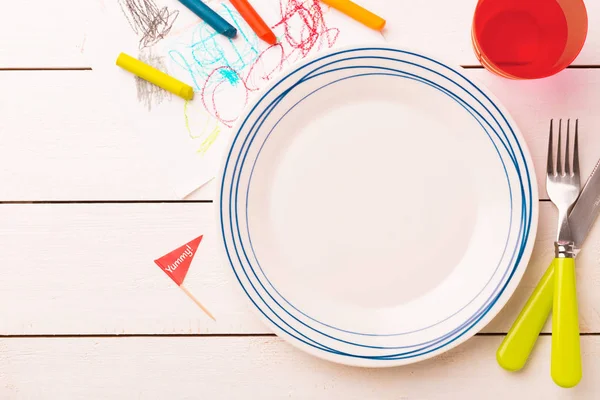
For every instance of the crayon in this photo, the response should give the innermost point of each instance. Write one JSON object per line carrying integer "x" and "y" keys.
{"x": 209, "y": 16}
{"x": 358, "y": 13}
{"x": 254, "y": 20}
{"x": 155, "y": 76}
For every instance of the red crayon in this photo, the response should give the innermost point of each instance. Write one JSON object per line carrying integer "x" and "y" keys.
{"x": 257, "y": 24}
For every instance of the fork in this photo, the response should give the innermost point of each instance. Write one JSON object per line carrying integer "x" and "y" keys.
{"x": 563, "y": 185}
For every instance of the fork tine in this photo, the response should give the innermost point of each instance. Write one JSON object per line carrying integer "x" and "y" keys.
{"x": 550, "y": 165}
{"x": 576, "y": 149}
{"x": 559, "y": 165}
{"x": 567, "y": 158}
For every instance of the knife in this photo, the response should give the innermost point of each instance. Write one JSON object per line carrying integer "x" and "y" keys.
{"x": 520, "y": 339}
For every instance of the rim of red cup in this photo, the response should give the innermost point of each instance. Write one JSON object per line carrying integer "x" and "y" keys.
{"x": 565, "y": 63}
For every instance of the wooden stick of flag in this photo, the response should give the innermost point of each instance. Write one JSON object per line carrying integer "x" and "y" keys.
{"x": 176, "y": 265}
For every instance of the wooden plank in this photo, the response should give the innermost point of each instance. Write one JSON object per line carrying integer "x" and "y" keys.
{"x": 443, "y": 29}
{"x": 53, "y": 34}
{"x": 533, "y": 103}
{"x": 84, "y": 147}
{"x": 230, "y": 368}
{"x": 44, "y": 34}
{"x": 66, "y": 139}
{"x": 88, "y": 269}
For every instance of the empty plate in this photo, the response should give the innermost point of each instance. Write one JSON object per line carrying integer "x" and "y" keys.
{"x": 377, "y": 206}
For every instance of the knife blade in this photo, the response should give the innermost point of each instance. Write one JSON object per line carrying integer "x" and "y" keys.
{"x": 586, "y": 209}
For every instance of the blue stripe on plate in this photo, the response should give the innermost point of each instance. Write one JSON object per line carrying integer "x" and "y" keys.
{"x": 524, "y": 228}
{"x": 246, "y": 257}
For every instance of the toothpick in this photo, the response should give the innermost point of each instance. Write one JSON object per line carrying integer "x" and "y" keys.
{"x": 191, "y": 296}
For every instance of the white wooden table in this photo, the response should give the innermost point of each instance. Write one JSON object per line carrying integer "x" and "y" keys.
{"x": 84, "y": 313}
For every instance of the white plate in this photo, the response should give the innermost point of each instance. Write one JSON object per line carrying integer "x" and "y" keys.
{"x": 377, "y": 206}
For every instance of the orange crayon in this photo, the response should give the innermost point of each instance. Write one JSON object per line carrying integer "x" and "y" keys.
{"x": 258, "y": 25}
{"x": 358, "y": 13}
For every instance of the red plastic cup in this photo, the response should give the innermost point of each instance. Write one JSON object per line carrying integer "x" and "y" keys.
{"x": 528, "y": 39}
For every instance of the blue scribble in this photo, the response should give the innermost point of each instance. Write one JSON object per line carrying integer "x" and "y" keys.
{"x": 207, "y": 52}
{"x": 231, "y": 76}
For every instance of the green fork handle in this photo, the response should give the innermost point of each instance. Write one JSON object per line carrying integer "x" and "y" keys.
{"x": 518, "y": 343}
{"x": 566, "y": 352}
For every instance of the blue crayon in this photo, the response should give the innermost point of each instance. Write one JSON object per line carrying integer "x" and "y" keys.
{"x": 210, "y": 17}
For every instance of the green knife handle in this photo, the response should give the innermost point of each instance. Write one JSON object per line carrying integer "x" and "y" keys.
{"x": 566, "y": 353}
{"x": 518, "y": 343}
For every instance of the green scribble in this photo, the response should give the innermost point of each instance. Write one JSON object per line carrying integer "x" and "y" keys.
{"x": 187, "y": 121}
{"x": 208, "y": 142}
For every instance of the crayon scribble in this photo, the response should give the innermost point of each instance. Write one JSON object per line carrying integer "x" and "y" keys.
{"x": 148, "y": 93}
{"x": 209, "y": 140}
{"x": 313, "y": 31}
{"x": 82, "y": 47}
{"x": 208, "y": 137}
{"x": 225, "y": 72}
{"x": 209, "y": 51}
{"x": 148, "y": 20}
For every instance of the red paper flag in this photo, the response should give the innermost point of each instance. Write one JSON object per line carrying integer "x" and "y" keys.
{"x": 176, "y": 263}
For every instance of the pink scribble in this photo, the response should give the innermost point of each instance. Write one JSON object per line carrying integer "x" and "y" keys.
{"x": 210, "y": 95}
{"x": 313, "y": 25}
{"x": 247, "y": 68}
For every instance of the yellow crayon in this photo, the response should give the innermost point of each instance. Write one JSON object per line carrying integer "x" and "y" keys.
{"x": 358, "y": 13}
{"x": 155, "y": 76}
